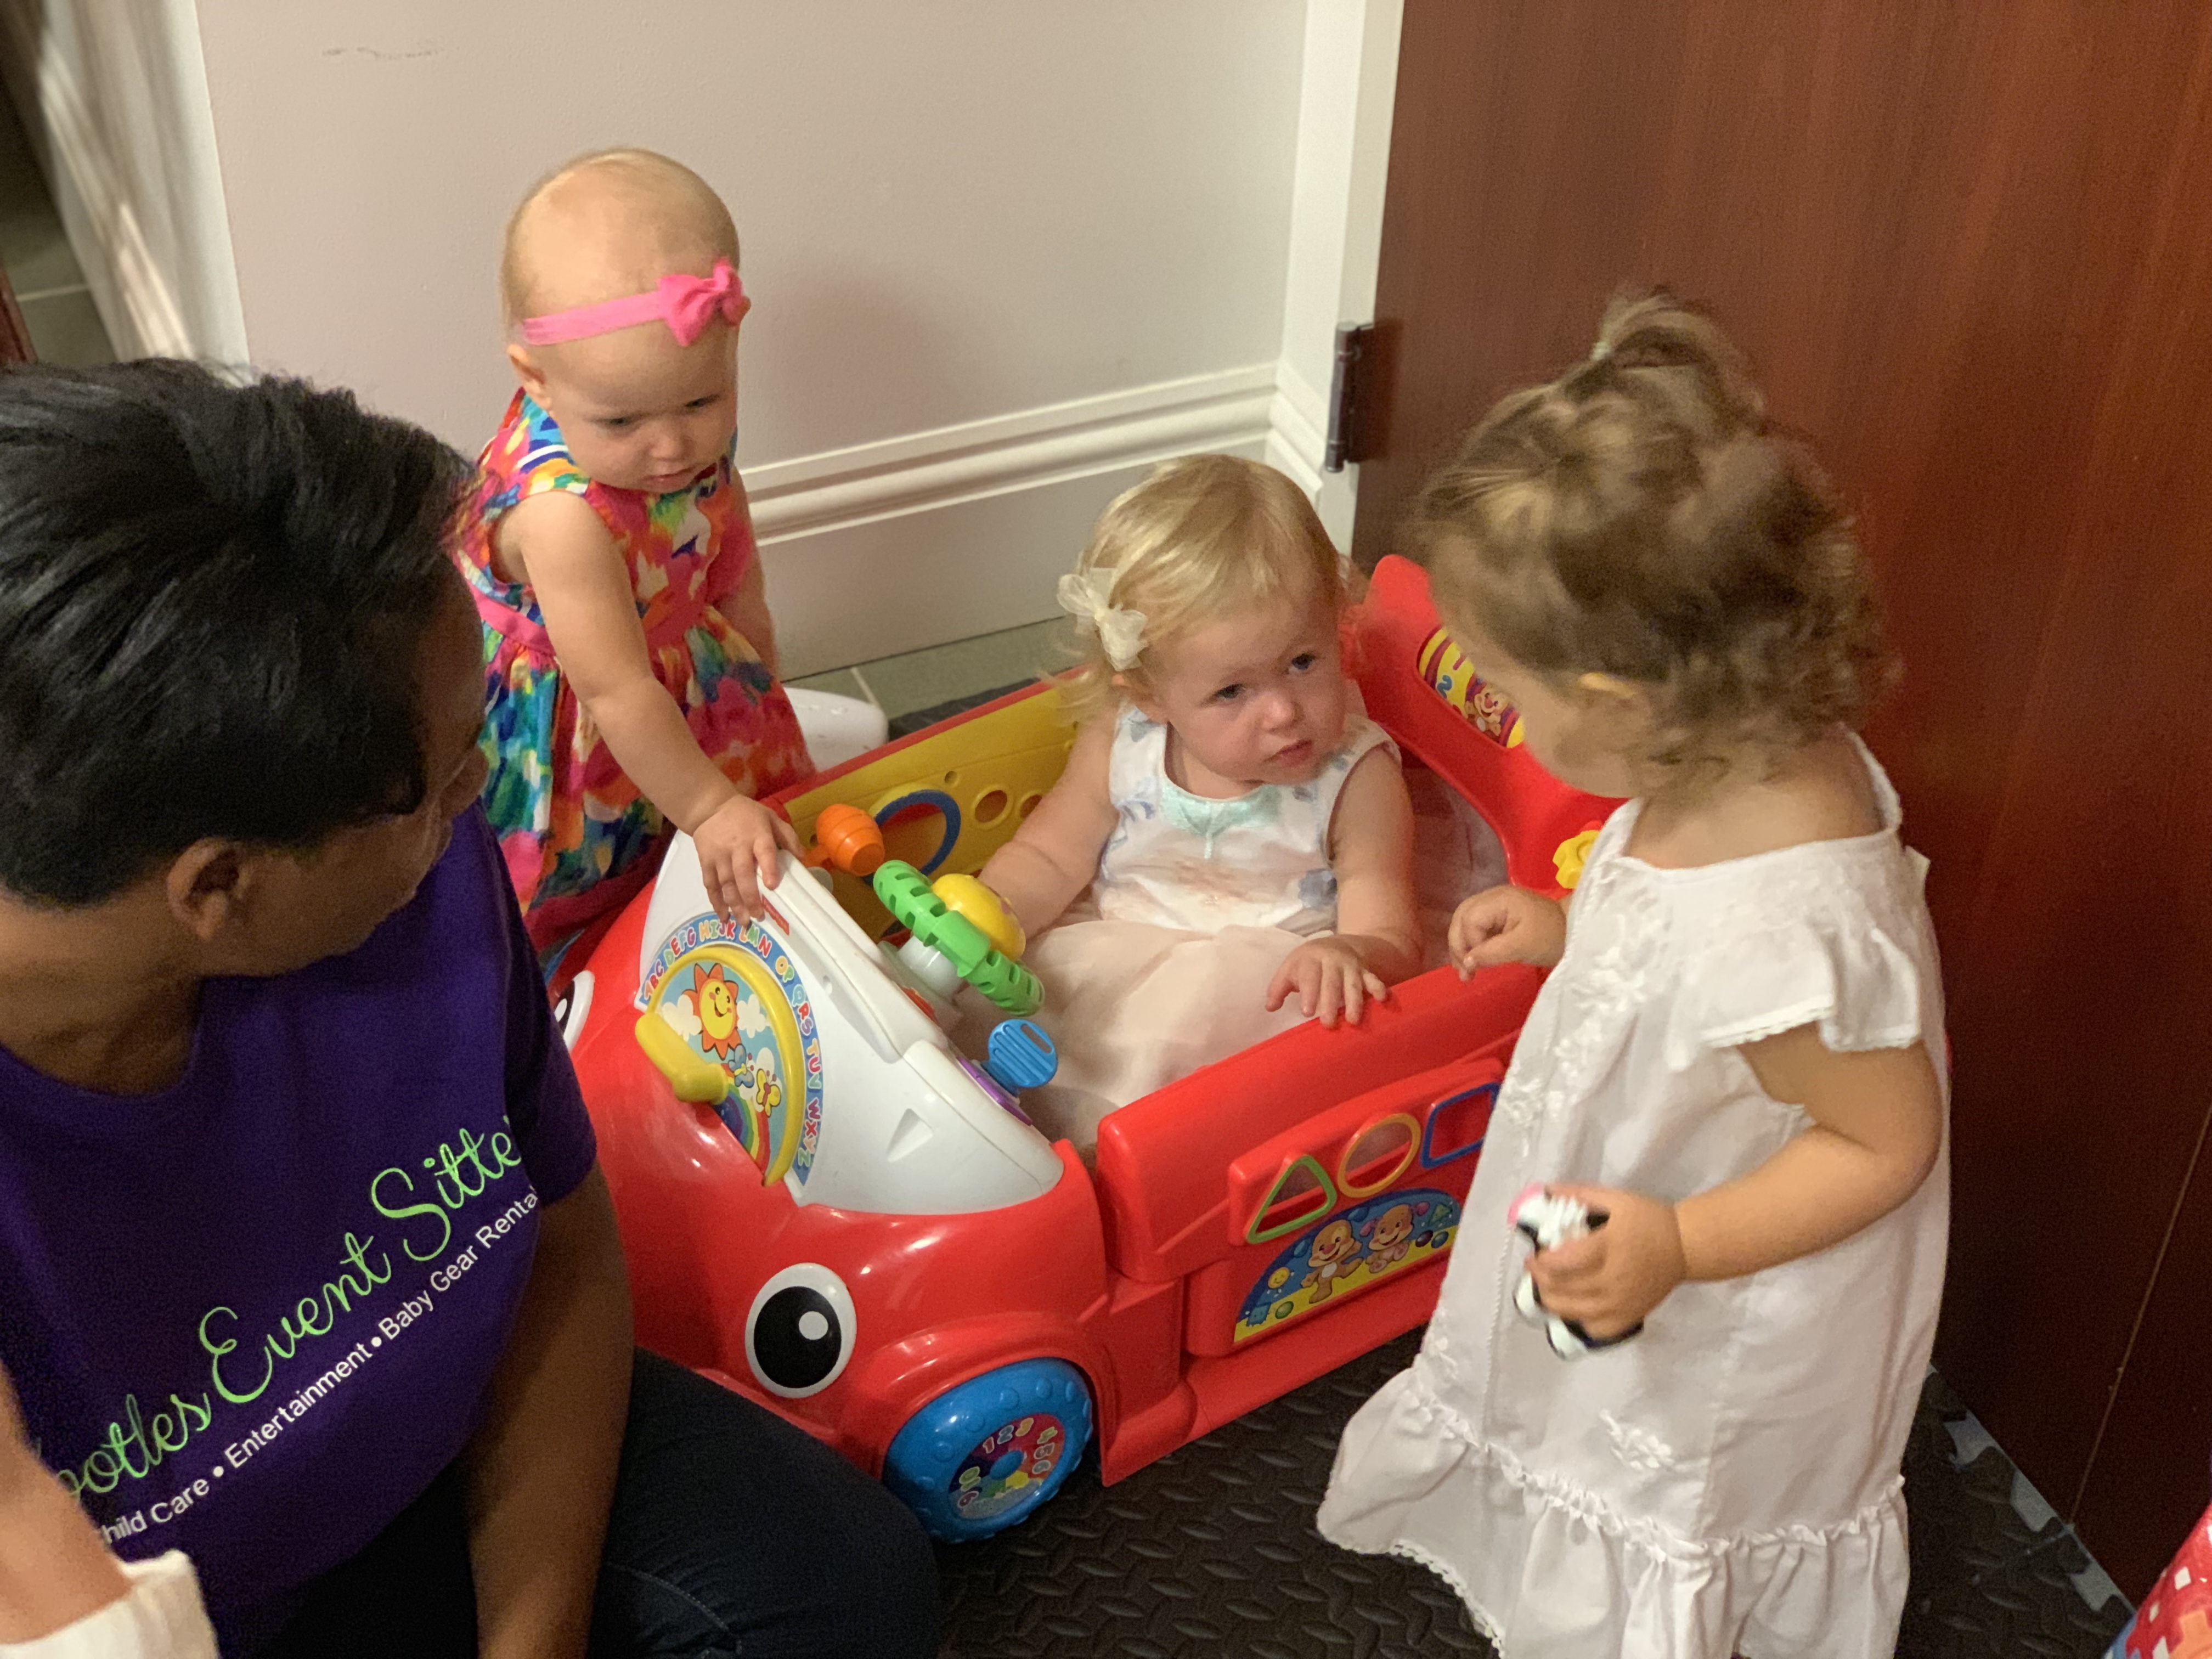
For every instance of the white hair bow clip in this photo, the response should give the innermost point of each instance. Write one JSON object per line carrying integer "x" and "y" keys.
{"x": 1088, "y": 596}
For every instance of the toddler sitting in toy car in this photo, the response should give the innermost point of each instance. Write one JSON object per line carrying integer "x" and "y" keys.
{"x": 1230, "y": 848}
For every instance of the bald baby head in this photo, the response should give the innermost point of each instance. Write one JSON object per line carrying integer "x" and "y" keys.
{"x": 609, "y": 225}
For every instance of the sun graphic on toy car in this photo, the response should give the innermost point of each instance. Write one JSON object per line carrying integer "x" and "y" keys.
{"x": 718, "y": 1013}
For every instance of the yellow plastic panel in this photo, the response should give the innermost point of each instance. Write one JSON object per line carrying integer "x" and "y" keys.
{"x": 994, "y": 767}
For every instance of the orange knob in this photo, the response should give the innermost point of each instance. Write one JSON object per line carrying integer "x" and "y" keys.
{"x": 847, "y": 838}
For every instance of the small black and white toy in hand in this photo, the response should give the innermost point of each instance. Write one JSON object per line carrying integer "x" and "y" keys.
{"x": 1547, "y": 1219}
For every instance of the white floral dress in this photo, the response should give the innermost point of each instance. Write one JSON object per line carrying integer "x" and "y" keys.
{"x": 1727, "y": 1481}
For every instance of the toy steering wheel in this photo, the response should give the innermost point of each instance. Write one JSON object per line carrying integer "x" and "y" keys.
{"x": 962, "y": 922}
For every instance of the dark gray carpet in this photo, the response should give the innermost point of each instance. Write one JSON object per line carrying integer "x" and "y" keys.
{"x": 1211, "y": 1554}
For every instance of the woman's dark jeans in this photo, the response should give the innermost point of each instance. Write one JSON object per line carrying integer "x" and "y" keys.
{"x": 733, "y": 1532}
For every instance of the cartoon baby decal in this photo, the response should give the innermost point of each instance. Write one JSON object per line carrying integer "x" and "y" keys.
{"x": 1392, "y": 1234}
{"x": 1335, "y": 1256}
{"x": 1449, "y": 673}
{"x": 1392, "y": 1240}
{"x": 1492, "y": 715}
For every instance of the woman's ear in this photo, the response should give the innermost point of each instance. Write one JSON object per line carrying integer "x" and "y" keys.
{"x": 208, "y": 885}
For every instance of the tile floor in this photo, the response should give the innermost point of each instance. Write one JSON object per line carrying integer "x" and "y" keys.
{"x": 1996, "y": 1573}
{"x": 58, "y": 308}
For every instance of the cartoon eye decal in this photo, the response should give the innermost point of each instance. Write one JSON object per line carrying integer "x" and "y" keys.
{"x": 573, "y": 1008}
{"x": 801, "y": 1331}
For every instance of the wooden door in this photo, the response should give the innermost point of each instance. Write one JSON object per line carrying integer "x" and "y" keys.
{"x": 1970, "y": 249}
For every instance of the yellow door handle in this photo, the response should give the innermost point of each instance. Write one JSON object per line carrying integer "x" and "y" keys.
{"x": 693, "y": 1077}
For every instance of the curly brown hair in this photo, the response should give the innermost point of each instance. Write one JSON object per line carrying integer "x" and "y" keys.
{"x": 1640, "y": 517}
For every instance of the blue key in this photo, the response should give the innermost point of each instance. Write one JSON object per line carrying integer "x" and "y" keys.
{"x": 1021, "y": 1055}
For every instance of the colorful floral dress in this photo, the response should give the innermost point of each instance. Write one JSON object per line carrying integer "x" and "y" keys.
{"x": 578, "y": 837}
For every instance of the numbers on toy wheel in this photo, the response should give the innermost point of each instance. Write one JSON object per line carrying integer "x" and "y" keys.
{"x": 986, "y": 1454}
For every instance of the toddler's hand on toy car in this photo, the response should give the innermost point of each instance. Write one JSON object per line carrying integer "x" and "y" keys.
{"x": 1609, "y": 1280}
{"x": 1507, "y": 924}
{"x": 1329, "y": 977}
{"x": 737, "y": 855}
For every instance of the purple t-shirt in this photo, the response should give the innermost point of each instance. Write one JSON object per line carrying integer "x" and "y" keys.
{"x": 252, "y": 1317}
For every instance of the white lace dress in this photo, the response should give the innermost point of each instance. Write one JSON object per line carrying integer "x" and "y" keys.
{"x": 1727, "y": 1481}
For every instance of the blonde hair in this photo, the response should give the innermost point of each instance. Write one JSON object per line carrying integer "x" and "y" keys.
{"x": 642, "y": 214}
{"x": 1641, "y": 517}
{"x": 1204, "y": 538}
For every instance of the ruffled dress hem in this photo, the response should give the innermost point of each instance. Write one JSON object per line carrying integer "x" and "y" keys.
{"x": 1485, "y": 1626}
{"x": 1586, "y": 1582}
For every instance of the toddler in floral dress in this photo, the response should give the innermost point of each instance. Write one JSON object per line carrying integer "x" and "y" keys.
{"x": 629, "y": 656}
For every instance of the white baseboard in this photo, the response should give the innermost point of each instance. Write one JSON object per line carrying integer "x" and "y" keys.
{"x": 1297, "y": 427}
{"x": 897, "y": 582}
{"x": 925, "y": 471}
{"x": 966, "y": 530}
{"x": 135, "y": 300}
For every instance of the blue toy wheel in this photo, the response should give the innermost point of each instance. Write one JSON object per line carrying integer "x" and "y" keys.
{"x": 979, "y": 1457}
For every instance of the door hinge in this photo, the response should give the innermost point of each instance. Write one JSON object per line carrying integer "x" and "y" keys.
{"x": 1347, "y": 398}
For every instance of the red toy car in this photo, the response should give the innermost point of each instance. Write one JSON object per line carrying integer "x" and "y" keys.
{"x": 829, "y": 1210}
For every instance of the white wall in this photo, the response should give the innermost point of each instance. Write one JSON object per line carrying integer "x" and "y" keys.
{"x": 1006, "y": 253}
{"x": 963, "y": 223}
{"x": 114, "y": 97}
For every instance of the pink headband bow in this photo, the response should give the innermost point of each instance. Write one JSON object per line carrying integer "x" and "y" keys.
{"x": 686, "y": 304}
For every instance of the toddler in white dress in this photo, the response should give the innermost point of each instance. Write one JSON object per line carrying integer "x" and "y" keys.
{"x": 1230, "y": 848}
{"x": 1738, "y": 1061}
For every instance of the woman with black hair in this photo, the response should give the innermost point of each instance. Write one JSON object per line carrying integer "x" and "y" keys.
{"x": 307, "y": 1269}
